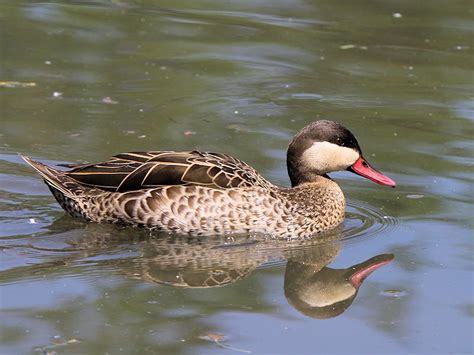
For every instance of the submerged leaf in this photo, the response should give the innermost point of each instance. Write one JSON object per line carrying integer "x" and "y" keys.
{"x": 217, "y": 338}
{"x": 214, "y": 337}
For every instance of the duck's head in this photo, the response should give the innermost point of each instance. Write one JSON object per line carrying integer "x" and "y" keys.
{"x": 326, "y": 146}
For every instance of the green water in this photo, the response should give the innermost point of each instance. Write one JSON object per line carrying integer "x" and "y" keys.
{"x": 239, "y": 78}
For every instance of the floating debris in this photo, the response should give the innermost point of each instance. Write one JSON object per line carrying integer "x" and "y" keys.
{"x": 57, "y": 342}
{"x": 57, "y": 94}
{"x": 305, "y": 95}
{"x": 393, "y": 293}
{"x": 415, "y": 196}
{"x": 16, "y": 84}
{"x": 348, "y": 46}
{"x": 214, "y": 337}
{"x": 188, "y": 133}
{"x": 352, "y": 46}
{"x": 238, "y": 128}
{"x": 142, "y": 136}
{"x": 217, "y": 338}
{"x": 397, "y": 15}
{"x": 32, "y": 221}
{"x": 108, "y": 100}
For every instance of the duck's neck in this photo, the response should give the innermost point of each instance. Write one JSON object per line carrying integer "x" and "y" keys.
{"x": 299, "y": 174}
{"x": 320, "y": 184}
{"x": 308, "y": 177}
{"x": 319, "y": 202}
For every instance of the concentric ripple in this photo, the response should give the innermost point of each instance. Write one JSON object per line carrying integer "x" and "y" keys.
{"x": 364, "y": 221}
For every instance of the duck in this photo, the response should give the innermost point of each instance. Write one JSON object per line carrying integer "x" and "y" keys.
{"x": 204, "y": 193}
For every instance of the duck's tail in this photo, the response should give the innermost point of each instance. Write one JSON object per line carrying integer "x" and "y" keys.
{"x": 54, "y": 178}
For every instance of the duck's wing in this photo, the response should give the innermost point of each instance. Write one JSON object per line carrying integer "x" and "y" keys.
{"x": 143, "y": 170}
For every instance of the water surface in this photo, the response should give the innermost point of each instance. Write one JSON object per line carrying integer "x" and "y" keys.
{"x": 95, "y": 78}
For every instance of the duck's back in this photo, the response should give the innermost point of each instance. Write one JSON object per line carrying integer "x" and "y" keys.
{"x": 145, "y": 170}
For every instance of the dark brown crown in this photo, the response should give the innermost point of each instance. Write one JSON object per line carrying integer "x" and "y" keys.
{"x": 319, "y": 131}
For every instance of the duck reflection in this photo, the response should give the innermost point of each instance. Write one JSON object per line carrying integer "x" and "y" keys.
{"x": 322, "y": 292}
{"x": 310, "y": 286}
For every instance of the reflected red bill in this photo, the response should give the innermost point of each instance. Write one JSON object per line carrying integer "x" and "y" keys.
{"x": 360, "y": 272}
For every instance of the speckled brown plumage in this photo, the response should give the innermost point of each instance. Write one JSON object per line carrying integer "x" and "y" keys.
{"x": 204, "y": 210}
{"x": 202, "y": 193}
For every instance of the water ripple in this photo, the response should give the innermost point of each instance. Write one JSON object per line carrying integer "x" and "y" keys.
{"x": 364, "y": 221}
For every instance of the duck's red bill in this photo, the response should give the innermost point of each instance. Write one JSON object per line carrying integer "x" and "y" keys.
{"x": 362, "y": 167}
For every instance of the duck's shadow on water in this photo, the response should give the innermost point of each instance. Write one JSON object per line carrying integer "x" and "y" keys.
{"x": 180, "y": 261}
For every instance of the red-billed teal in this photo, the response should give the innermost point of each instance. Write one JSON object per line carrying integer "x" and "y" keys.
{"x": 203, "y": 193}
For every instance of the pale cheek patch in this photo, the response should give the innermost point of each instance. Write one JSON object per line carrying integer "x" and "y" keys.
{"x": 329, "y": 295}
{"x": 324, "y": 157}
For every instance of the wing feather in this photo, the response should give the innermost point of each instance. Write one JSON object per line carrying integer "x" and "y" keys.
{"x": 139, "y": 170}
